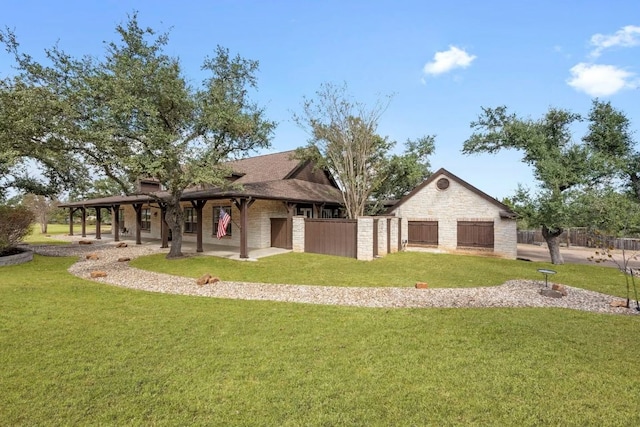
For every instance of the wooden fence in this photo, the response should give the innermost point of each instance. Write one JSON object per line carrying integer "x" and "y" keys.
{"x": 331, "y": 237}
{"x": 580, "y": 237}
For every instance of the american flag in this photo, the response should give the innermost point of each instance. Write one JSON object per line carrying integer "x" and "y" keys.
{"x": 223, "y": 222}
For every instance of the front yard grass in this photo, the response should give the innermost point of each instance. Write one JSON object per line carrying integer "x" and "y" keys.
{"x": 75, "y": 352}
{"x": 399, "y": 269}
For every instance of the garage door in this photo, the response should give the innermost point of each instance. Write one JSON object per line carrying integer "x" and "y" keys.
{"x": 475, "y": 234}
{"x": 423, "y": 233}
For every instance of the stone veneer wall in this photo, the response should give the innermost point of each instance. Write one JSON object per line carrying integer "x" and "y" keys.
{"x": 457, "y": 203}
{"x": 364, "y": 251}
{"x": 298, "y": 234}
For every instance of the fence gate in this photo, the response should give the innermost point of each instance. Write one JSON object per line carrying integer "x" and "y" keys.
{"x": 423, "y": 233}
{"x": 331, "y": 237}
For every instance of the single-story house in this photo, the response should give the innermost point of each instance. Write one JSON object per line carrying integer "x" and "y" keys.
{"x": 273, "y": 188}
{"x": 448, "y": 213}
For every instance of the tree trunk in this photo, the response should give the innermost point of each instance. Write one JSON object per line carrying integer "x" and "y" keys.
{"x": 43, "y": 227}
{"x": 174, "y": 218}
{"x": 552, "y": 237}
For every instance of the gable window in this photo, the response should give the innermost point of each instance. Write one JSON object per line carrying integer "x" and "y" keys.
{"x": 216, "y": 218}
{"x": 146, "y": 219}
{"x": 190, "y": 224}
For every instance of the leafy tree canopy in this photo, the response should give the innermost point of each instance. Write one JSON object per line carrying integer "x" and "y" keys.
{"x": 133, "y": 113}
{"x": 558, "y": 163}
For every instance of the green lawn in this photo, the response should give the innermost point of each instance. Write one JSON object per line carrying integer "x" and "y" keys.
{"x": 74, "y": 352}
{"x": 36, "y": 237}
{"x": 399, "y": 269}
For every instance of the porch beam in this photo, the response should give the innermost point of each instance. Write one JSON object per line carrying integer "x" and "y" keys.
{"x": 115, "y": 223}
{"x": 138, "y": 208}
{"x": 84, "y": 221}
{"x": 71, "y": 211}
{"x": 198, "y": 205}
{"x": 243, "y": 206}
{"x": 291, "y": 208}
{"x": 98, "y": 223}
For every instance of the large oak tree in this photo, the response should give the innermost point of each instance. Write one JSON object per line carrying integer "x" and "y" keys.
{"x": 558, "y": 163}
{"x": 132, "y": 113}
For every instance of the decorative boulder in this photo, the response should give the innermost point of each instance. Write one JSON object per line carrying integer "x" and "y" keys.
{"x": 96, "y": 274}
{"x": 213, "y": 280}
{"x": 92, "y": 256}
{"x": 560, "y": 288}
{"x": 121, "y": 245}
{"x": 422, "y": 285}
{"x": 203, "y": 280}
{"x": 124, "y": 259}
{"x": 85, "y": 242}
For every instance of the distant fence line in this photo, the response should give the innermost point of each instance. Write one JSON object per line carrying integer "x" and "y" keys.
{"x": 580, "y": 237}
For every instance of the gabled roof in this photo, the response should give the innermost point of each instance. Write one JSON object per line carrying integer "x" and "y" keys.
{"x": 506, "y": 211}
{"x": 268, "y": 167}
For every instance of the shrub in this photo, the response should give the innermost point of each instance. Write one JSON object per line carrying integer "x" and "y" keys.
{"x": 15, "y": 224}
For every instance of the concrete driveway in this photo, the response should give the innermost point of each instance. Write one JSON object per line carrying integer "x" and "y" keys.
{"x": 573, "y": 255}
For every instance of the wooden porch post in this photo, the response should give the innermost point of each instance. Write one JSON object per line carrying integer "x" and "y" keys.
{"x": 243, "y": 205}
{"x": 138, "y": 208}
{"x": 71, "y": 211}
{"x": 198, "y": 205}
{"x": 84, "y": 221}
{"x": 291, "y": 207}
{"x": 115, "y": 223}
{"x": 98, "y": 223}
{"x": 164, "y": 227}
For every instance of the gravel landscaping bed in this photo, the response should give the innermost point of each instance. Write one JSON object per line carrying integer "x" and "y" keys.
{"x": 514, "y": 293}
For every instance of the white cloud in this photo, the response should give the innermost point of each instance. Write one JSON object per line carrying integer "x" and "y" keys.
{"x": 448, "y": 60}
{"x": 600, "y": 80}
{"x": 627, "y": 36}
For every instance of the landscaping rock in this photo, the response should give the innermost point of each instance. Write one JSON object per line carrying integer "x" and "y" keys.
{"x": 213, "y": 280}
{"x": 92, "y": 257}
{"x": 121, "y": 245}
{"x": 124, "y": 259}
{"x": 422, "y": 285}
{"x": 203, "y": 280}
{"x": 560, "y": 288}
{"x": 98, "y": 273}
{"x": 550, "y": 293}
{"x": 85, "y": 242}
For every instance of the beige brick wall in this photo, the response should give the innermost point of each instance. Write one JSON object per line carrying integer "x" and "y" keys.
{"x": 364, "y": 251}
{"x": 382, "y": 236}
{"x": 457, "y": 203}
{"x": 298, "y": 233}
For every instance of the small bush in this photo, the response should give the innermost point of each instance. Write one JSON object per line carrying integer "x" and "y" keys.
{"x": 15, "y": 225}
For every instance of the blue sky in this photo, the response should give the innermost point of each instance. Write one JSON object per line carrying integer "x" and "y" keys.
{"x": 441, "y": 60}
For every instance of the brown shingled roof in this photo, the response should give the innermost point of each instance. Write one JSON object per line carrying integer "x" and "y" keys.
{"x": 268, "y": 167}
{"x": 270, "y": 176}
